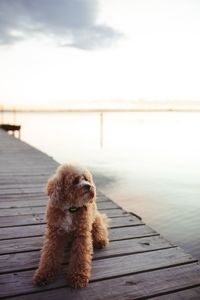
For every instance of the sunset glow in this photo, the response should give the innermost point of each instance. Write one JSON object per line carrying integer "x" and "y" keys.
{"x": 154, "y": 56}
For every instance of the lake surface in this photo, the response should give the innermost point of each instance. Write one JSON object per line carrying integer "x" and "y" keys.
{"x": 150, "y": 162}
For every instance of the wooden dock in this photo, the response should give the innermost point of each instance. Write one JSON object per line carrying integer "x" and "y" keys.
{"x": 11, "y": 128}
{"x": 137, "y": 264}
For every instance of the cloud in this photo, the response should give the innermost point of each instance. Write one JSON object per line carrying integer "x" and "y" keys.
{"x": 68, "y": 22}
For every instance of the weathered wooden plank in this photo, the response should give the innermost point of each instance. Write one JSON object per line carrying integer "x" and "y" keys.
{"x": 38, "y": 229}
{"x": 24, "y": 197}
{"x": 22, "y": 211}
{"x": 136, "y": 286}
{"x": 10, "y": 221}
{"x": 16, "y": 169}
{"x": 36, "y": 201}
{"x": 32, "y": 200}
{"x": 15, "y": 172}
{"x": 192, "y": 293}
{"x": 23, "y": 203}
{"x": 41, "y": 209}
{"x": 21, "y": 220}
{"x": 16, "y": 197}
{"x": 26, "y": 260}
{"x": 22, "y": 190}
{"x": 34, "y": 243}
{"x": 140, "y": 262}
{"x": 17, "y": 185}
{"x": 21, "y": 282}
{"x": 15, "y": 181}
{"x": 124, "y": 221}
{"x": 29, "y": 182}
{"x": 13, "y": 207}
{"x": 22, "y": 231}
{"x": 4, "y": 192}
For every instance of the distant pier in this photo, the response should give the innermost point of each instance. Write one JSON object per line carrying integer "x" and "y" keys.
{"x": 11, "y": 128}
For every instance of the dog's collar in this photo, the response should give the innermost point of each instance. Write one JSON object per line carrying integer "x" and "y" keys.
{"x": 74, "y": 209}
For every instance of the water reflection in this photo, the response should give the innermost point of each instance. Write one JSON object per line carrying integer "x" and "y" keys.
{"x": 150, "y": 162}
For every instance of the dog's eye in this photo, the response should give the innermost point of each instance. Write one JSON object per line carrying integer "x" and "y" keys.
{"x": 86, "y": 178}
{"x": 76, "y": 180}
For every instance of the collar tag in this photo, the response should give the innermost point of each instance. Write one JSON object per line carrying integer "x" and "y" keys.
{"x": 73, "y": 209}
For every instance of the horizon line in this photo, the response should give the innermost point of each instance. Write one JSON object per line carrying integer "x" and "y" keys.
{"x": 101, "y": 110}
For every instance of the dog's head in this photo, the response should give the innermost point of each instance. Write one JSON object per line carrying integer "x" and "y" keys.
{"x": 71, "y": 186}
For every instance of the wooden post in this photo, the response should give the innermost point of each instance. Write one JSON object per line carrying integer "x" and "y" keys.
{"x": 1, "y": 114}
{"x": 101, "y": 129}
{"x": 14, "y": 115}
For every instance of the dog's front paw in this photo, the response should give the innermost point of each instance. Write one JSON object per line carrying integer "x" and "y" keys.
{"x": 77, "y": 280}
{"x": 43, "y": 278}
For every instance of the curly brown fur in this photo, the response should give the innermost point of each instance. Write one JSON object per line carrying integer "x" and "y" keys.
{"x": 71, "y": 187}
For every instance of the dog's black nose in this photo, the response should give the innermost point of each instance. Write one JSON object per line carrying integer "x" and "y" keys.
{"x": 86, "y": 187}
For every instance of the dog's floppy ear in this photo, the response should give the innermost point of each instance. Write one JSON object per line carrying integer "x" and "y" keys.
{"x": 50, "y": 186}
{"x": 54, "y": 188}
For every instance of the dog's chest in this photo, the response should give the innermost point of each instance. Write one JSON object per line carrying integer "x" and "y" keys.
{"x": 67, "y": 222}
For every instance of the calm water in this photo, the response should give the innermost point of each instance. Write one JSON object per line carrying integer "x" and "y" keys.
{"x": 150, "y": 162}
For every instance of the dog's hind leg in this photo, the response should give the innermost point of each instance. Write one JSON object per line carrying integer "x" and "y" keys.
{"x": 100, "y": 231}
{"x": 51, "y": 257}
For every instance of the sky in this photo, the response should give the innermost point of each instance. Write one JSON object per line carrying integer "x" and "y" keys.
{"x": 108, "y": 52}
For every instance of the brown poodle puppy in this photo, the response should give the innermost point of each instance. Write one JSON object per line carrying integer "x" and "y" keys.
{"x": 72, "y": 216}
